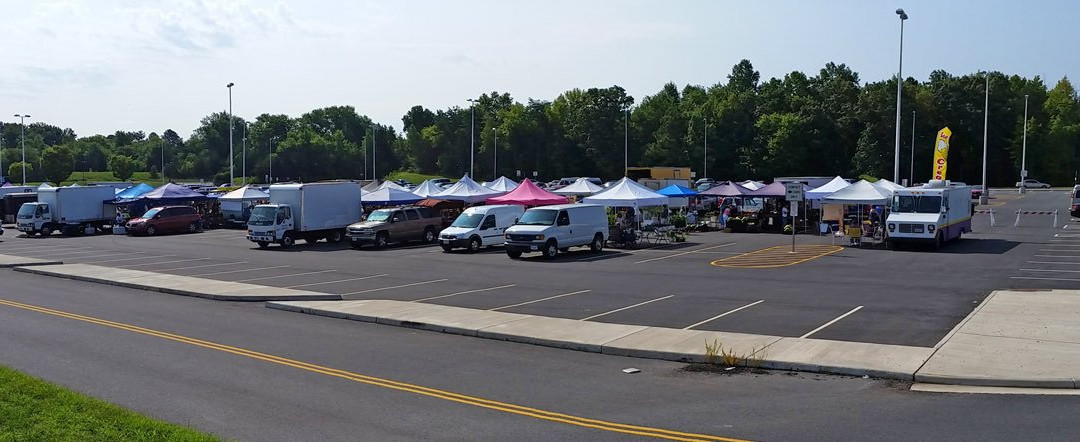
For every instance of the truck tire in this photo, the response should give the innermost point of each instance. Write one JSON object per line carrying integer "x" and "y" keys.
{"x": 46, "y": 230}
{"x": 474, "y": 244}
{"x": 429, "y": 235}
{"x": 551, "y": 250}
{"x": 937, "y": 241}
{"x": 381, "y": 240}
{"x": 262, "y": 244}
{"x": 287, "y": 240}
{"x": 334, "y": 236}
{"x": 597, "y": 243}
{"x": 513, "y": 255}
{"x": 151, "y": 230}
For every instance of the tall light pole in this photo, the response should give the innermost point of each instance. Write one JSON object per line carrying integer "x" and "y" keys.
{"x": 22, "y": 125}
{"x": 911, "y": 177}
{"x": 2, "y": 171}
{"x": 472, "y": 132}
{"x": 270, "y": 162}
{"x": 374, "y": 175}
{"x": 899, "y": 85}
{"x": 162, "y": 140}
{"x": 495, "y": 168}
{"x": 705, "y": 173}
{"x": 626, "y": 142}
{"x": 985, "y": 198}
{"x": 231, "y": 177}
{"x": 1023, "y": 156}
{"x": 243, "y": 154}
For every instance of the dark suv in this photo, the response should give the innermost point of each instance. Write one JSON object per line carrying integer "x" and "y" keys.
{"x": 166, "y": 219}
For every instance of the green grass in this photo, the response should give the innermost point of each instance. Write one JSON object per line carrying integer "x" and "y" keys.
{"x": 32, "y": 409}
{"x": 412, "y": 177}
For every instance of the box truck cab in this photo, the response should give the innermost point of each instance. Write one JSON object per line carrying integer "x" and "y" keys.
{"x": 553, "y": 229}
{"x": 310, "y": 211}
{"x": 936, "y": 212}
{"x": 481, "y": 226}
{"x": 72, "y": 210}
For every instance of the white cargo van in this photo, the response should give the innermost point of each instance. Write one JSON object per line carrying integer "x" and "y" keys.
{"x": 480, "y": 226}
{"x": 551, "y": 229}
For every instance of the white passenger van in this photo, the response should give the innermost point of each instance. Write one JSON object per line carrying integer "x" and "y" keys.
{"x": 480, "y": 226}
{"x": 551, "y": 229}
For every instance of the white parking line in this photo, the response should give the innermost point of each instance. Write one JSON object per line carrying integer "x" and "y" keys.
{"x": 467, "y": 292}
{"x": 625, "y": 308}
{"x": 111, "y": 254}
{"x": 1053, "y": 262}
{"x": 613, "y": 255}
{"x": 202, "y": 266}
{"x": 1049, "y": 270}
{"x": 243, "y": 270}
{"x": 539, "y": 300}
{"x": 130, "y": 259}
{"x": 163, "y": 262}
{"x": 723, "y": 314}
{"x": 1060, "y": 250}
{"x": 1057, "y": 256}
{"x": 65, "y": 253}
{"x": 1045, "y": 279}
{"x": 684, "y": 253}
{"x": 337, "y": 281}
{"x": 831, "y": 322}
{"x": 395, "y": 287}
{"x": 286, "y": 276}
{"x": 26, "y": 248}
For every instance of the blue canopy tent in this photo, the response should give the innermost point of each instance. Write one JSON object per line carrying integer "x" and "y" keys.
{"x": 164, "y": 195}
{"x": 134, "y": 191}
{"x": 677, "y": 191}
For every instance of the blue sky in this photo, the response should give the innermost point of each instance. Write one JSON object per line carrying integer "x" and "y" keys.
{"x": 151, "y": 65}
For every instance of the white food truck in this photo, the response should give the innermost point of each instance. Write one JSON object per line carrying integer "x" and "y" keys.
{"x": 309, "y": 211}
{"x": 936, "y": 212}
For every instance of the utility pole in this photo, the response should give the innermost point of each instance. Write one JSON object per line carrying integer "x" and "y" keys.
{"x": 231, "y": 176}
{"x": 162, "y": 140}
{"x": 911, "y": 177}
{"x": 1023, "y": 156}
{"x": 626, "y": 142}
{"x": 899, "y": 85}
{"x": 472, "y": 133}
{"x": 243, "y": 154}
{"x": 985, "y": 198}
{"x": 22, "y": 125}
{"x": 706, "y": 135}
{"x": 495, "y": 170}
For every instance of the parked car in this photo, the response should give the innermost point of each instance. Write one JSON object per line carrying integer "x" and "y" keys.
{"x": 165, "y": 219}
{"x": 563, "y": 182}
{"x": 384, "y": 226}
{"x": 553, "y": 229}
{"x": 480, "y": 226}
{"x": 1, "y": 230}
{"x": 1033, "y": 184}
{"x": 704, "y": 180}
{"x": 594, "y": 180}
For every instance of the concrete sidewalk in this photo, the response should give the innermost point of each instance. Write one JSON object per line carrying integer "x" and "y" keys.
{"x": 174, "y": 284}
{"x": 813, "y": 355}
{"x": 16, "y": 261}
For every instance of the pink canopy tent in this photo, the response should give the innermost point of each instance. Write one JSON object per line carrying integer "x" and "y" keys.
{"x": 527, "y": 194}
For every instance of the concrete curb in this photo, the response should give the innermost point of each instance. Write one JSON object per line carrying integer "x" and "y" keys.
{"x": 9, "y": 261}
{"x": 773, "y": 352}
{"x": 179, "y": 291}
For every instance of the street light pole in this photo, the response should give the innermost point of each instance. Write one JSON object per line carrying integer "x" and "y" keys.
{"x": 22, "y": 125}
{"x": 374, "y": 172}
{"x": 231, "y": 177}
{"x": 985, "y": 198}
{"x": 706, "y": 135}
{"x": 495, "y": 170}
{"x": 1023, "y": 156}
{"x": 243, "y": 154}
{"x": 162, "y": 140}
{"x": 911, "y": 178}
{"x": 472, "y": 133}
{"x": 626, "y": 142}
{"x": 899, "y": 86}
{"x": 270, "y": 162}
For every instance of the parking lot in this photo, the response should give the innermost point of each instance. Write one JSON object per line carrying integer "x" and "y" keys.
{"x": 749, "y": 283}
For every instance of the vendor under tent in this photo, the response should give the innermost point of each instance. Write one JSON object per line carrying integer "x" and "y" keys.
{"x": 861, "y": 193}
{"x": 503, "y": 184}
{"x": 627, "y": 193}
{"x": 527, "y": 194}
{"x": 468, "y": 191}
{"x": 580, "y": 187}
{"x": 236, "y": 205}
{"x": 389, "y": 197}
{"x": 427, "y": 189}
{"x": 164, "y": 195}
{"x": 824, "y": 190}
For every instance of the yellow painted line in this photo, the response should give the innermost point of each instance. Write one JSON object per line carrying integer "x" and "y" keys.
{"x": 778, "y": 256}
{"x": 386, "y": 383}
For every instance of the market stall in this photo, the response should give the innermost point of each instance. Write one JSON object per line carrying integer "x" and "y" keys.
{"x": 527, "y": 194}
{"x": 468, "y": 191}
{"x": 580, "y": 187}
{"x": 389, "y": 196}
{"x": 631, "y": 197}
{"x": 427, "y": 189}
{"x": 503, "y": 184}
{"x": 236, "y": 205}
{"x": 860, "y": 224}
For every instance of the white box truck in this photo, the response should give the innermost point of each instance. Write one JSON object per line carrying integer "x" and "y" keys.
{"x": 309, "y": 211}
{"x": 934, "y": 213}
{"x": 72, "y": 210}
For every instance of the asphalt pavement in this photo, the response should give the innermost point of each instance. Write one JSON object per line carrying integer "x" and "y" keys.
{"x": 235, "y": 395}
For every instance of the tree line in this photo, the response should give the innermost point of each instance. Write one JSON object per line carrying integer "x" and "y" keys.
{"x": 827, "y": 124}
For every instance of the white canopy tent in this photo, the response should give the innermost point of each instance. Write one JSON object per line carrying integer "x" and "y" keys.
{"x": 888, "y": 185}
{"x": 246, "y": 193}
{"x": 627, "y": 193}
{"x": 427, "y": 189}
{"x": 862, "y": 192}
{"x": 503, "y": 184}
{"x": 752, "y": 185}
{"x": 579, "y": 188}
{"x": 827, "y": 188}
{"x": 391, "y": 185}
{"x": 468, "y": 191}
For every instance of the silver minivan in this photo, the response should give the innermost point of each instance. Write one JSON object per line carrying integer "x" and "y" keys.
{"x": 553, "y": 229}
{"x": 480, "y": 226}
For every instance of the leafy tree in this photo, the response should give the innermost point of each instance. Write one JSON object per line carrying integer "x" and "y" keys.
{"x": 123, "y": 166}
{"x": 57, "y": 163}
{"x": 15, "y": 171}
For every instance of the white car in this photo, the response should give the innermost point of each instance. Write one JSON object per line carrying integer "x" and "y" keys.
{"x": 1033, "y": 184}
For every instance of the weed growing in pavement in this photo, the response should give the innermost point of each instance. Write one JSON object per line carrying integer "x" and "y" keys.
{"x": 712, "y": 352}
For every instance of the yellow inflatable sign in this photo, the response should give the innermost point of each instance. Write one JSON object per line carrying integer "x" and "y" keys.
{"x": 941, "y": 154}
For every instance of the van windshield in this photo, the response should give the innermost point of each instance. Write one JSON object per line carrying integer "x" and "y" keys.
{"x": 916, "y": 204}
{"x": 150, "y": 213}
{"x": 468, "y": 220}
{"x": 27, "y": 211}
{"x": 262, "y": 216}
{"x": 538, "y": 217}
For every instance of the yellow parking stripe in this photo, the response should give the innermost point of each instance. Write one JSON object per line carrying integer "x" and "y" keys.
{"x": 778, "y": 256}
{"x": 386, "y": 383}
